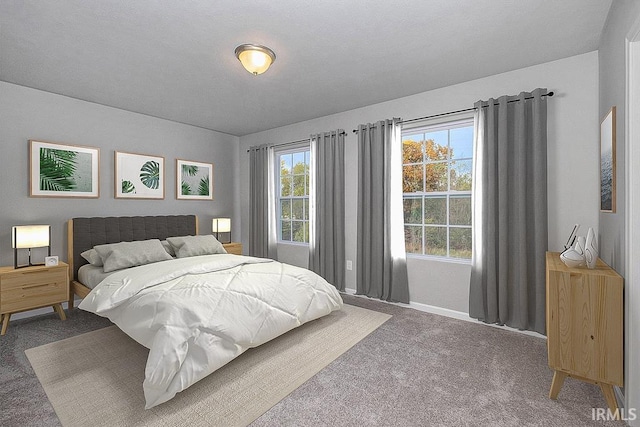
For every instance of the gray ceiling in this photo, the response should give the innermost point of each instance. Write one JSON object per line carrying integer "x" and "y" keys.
{"x": 175, "y": 60}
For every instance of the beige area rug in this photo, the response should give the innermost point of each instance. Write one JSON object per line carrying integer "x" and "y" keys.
{"x": 95, "y": 379}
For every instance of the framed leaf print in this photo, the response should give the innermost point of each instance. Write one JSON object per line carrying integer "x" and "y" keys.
{"x": 138, "y": 176}
{"x": 62, "y": 170}
{"x": 194, "y": 180}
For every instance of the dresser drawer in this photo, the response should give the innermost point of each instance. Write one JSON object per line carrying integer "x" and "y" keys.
{"x": 23, "y": 290}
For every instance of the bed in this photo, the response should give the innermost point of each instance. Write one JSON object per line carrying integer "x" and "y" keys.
{"x": 85, "y": 233}
{"x": 194, "y": 310}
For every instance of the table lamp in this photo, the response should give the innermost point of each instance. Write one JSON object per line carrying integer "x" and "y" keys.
{"x": 221, "y": 225}
{"x": 28, "y": 237}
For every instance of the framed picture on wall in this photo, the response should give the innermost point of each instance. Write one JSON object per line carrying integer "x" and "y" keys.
{"x": 608, "y": 162}
{"x": 138, "y": 176}
{"x": 63, "y": 170}
{"x": 194, "y": 180}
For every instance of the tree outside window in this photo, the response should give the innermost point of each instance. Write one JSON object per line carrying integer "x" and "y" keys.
{"x": 293, "y": 196}
{"x": 437, "y": 179}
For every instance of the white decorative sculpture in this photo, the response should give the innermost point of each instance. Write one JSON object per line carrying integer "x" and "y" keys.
{"x": 580, "y": 250}
{"x": 573, "y": 257}
{"x": 581, "y": 241}
{"x": 591, "y": 249}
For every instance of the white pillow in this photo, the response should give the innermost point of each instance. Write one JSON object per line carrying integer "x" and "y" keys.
{"x": 186, "y": 246}
{"x": 117, "y": 256}
{"x": 167, "y": 247}
{"x": 92, "y": 257}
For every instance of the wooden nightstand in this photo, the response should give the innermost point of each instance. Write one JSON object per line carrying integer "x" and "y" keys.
{"x": 27, "y": 288}
{"x": 233, "y": 248}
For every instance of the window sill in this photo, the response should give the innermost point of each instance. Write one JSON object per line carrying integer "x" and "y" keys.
{"x": 440, "y": 259}
{"x": 289, "y": 243}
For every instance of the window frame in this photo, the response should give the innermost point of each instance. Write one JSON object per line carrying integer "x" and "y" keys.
{"x": 304, "y": 147}
{"x": 429, "y": 127}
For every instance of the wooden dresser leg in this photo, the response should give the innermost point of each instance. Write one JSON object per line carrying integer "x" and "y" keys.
{"x": 58, "y": 309}
{"x": 610, "y": 397}
{"x": 556, "y": 384}
{"x": 71, "y": 302}
{"x": 5, "y": 323}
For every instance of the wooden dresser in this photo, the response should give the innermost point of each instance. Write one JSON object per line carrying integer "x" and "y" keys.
{"x": 584, "y": 326}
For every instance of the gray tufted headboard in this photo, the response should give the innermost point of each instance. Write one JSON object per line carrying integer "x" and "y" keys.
{"x": 85, "y": 233}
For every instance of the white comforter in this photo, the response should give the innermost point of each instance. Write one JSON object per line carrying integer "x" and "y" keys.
{"x": 197, "y": 314}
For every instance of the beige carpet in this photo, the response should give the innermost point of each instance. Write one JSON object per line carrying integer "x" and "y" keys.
{"x": 95, "y": 379}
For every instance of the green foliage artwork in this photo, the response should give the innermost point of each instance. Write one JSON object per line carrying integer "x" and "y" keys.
{"x": 57, "y": 168}
{"x": 185, "y": 189}
{"x": 192, "y": 171}
{"x": 150, "y": 174}
{"x": 60, "y": 170}
{"x": 140, "y": 176}
{"x": 128, "y": 187}
{"x": 203, "y": 187}
{"x": 195, "y": 180}
{"x": 189, "y": 170}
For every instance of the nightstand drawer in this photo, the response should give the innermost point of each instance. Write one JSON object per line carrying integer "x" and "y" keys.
{"x": 233, "y": 248}
{"x": 32, "y": 296}
{"x": 31, "y": 288}
{"x": 21, "y": 278}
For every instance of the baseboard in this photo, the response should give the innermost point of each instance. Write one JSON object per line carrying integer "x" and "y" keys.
{"x": 617, "y": 391}
{"x": 460, "y": 315}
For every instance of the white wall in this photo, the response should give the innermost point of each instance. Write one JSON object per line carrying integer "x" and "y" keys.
{"x": 33, "y": 114}
{"x": 612, "y": 93}
{"x": 622, "y": 25}
{"x": 572, "y": 149}
{"x": 632, "y": 279}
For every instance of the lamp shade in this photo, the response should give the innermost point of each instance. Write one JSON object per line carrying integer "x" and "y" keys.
{"x": 255, "y": 59}
{"x": 30, "y": 236}
{"x": 221, "y": 225}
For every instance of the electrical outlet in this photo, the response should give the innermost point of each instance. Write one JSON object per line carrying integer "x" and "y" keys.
{"x": 349, "y": 264}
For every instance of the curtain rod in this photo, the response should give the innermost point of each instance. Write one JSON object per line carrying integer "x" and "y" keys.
{"x": 293, "y": 142}
{"x": 459, "y": 111}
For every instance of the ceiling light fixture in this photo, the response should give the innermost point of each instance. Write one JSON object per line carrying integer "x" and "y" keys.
{"x": 255, "y": 59}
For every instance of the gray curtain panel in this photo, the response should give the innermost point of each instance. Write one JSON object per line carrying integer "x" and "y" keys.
{"x": 381, "y": 265}
{"x": 510, "y": 212}
{"x": 262, "y": 229}
{"x": 326, "y": 245}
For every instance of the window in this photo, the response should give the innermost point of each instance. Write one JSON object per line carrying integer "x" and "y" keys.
{"x": 293, "y": 195}
{"x": 437, "y": 163}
